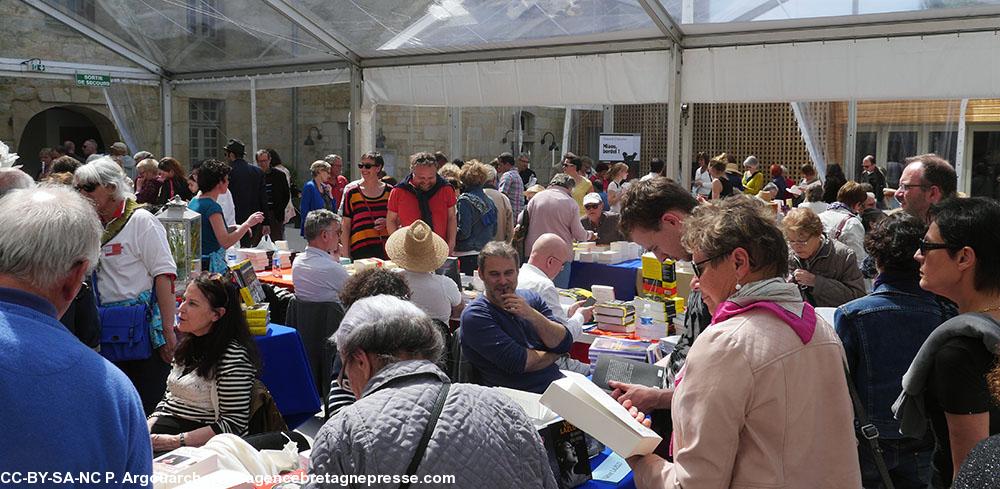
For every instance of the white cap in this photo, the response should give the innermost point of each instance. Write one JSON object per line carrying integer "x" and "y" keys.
{"x": 592, "y": 198}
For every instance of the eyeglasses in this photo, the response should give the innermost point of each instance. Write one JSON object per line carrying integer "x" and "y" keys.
{"x": 366, "y": 166}
{"x": 926, "y": 246}
{"x": 591, "y": 206}
{"x": 568, "y": 164}
{"x": 698, "y": 270}
{"x": 905, "y": 186}
{"x": 799, "y": 242}
{"x": 87, "y": 187}
{"x": 424, "y": 158}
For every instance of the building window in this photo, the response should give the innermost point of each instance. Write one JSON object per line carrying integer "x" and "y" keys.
{"x": 83, "y": 9}
{"x": 203, "y": 19}
{"x": 206, "y": 127}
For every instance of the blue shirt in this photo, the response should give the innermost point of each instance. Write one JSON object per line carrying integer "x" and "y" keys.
{"x": 65, "y": 408}
{"x": 312, "y": 199}
{"x": 206, "y": 207}
{"x": 496, "y": 343}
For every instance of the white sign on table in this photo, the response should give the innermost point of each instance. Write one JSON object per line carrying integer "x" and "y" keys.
{"x": 614, "y": 147}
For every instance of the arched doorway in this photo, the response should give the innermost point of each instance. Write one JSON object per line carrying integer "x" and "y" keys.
{"x": 52, "y": 126}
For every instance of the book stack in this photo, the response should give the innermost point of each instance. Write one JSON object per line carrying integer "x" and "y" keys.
{"x": 258, "y": 316}
{"x": 257, "y": 258}
{"x": 367, "y": 264}
{"x": 642, "y": 351}
{"x": 615, "y": 316}
{"x": 659, "y": 279}
{"x": 662, "y": 313}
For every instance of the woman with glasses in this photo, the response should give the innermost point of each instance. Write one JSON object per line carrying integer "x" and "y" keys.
{"x": 825, "y": 270}
{"x": 881, "y": 333}
{"x": 946, "y": 383}
{"x": 136, "y": 268}
{"x": 315, "y": 192}
{"x": 761, "y": 400}
{"x": 208, "y": 391}
{"x": 364, "y": 211}
{"x": 213, "y": 181}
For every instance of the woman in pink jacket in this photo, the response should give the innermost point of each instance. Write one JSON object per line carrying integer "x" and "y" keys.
{"x": 763, "y": 399}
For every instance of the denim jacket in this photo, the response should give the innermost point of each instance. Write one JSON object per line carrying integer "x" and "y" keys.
{"x": 477, "y": 220}
{"x": 881, "y": 333}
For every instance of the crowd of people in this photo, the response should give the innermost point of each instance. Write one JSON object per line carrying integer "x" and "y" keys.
{"x": 764, "y": 391}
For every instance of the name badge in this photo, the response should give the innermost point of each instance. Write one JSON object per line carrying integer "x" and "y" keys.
{"x": 112, "y": 249}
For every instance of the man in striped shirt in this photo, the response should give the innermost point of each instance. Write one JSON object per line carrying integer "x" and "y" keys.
{"x": 510, "y": 182}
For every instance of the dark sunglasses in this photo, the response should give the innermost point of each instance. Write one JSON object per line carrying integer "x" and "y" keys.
{"x": 87, "y": 187}
{"x": 697, "y": 266}
{"x": 423, "y": 159}
{"x": 926, "y": 246}
{"x": 591, "y": 206}
{"x": 367, "y": 166}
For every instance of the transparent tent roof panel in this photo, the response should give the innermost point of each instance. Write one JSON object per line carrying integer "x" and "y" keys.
{"x": 200, "y": 35}
{"x": 389, "y": 28}
{"x": 720, "y": 11}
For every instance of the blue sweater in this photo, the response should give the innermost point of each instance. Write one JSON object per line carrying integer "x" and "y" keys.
{"x": 496, "y": 343}
{"x": 312, "y": 199}
{"x": 65, "y": 410}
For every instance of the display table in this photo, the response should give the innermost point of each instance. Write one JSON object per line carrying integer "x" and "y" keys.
{"x": 286, "y": 374}
{"x": 284, "y": 281}
{"x": 627, "y": 483}
{"x": 625, "y": 277}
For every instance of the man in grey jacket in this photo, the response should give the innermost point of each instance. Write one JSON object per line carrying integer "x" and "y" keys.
{"x": 481, "y": 439}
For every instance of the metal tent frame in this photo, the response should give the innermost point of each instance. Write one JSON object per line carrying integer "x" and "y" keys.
{"x": 740, "y": 30}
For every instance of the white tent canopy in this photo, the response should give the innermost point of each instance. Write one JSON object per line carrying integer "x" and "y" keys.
{"x": 464, "y": 53}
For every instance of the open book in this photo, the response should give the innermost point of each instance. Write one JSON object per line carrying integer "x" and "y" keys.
{"x": 628, "y": 372}
{"x": 584, "y": 404}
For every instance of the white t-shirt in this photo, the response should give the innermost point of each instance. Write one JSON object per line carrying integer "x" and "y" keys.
{"x": 131, "y": 260}
{"x": 228, "y": 208}
{"x": 615, "y": 188}
{"x": 432, "y": 293}
{"x": 317, "y": 276}
{"x": 706, "y": 182}
{"x": 531, "y": 278}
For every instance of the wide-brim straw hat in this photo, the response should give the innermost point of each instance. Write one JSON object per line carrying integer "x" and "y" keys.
{"x": 417, "y": 248}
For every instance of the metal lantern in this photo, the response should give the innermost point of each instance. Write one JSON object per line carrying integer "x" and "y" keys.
{"x": 183, "y": 228}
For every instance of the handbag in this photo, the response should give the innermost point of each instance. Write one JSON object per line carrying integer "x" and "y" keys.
{"x": 124, "y": 330}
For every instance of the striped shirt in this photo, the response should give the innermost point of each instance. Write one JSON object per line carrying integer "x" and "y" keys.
{"x": 512, "y": 186}
{"x": 362, "y": 210}
{"x": 227, "y": 410}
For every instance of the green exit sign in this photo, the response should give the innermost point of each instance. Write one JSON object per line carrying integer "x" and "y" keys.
{"x": 93, "y": 80}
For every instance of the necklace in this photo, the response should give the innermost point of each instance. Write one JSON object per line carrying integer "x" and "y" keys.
{"x": 990, "y": 309}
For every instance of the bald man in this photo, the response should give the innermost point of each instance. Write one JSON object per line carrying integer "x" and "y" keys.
{"x": 549, "y": 254}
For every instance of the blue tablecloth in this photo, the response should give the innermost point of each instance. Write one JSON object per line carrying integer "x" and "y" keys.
{"x": 287, "y": 375}
{"x": 622, "y": 276}
{"x": 627, "y": 483}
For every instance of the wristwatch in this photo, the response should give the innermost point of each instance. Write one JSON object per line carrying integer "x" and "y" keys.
{"x": 182, "y": 439}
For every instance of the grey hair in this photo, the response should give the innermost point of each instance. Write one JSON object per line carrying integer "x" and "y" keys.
{"x": 497, "y": 249}
{"x": 53, "y": 218}
{"x": 491, "y": 174}
{"x": 390, "y": 328}
{"x": 12, "y": 179}
{"x": 317, "y": 221}
{"x": 563, "y": 180}
{"x": 319, "y": 166}
{"x": 770, "y": 187}
{"x": 330, "y": 158}
{"x": 104, "y": 171}
{"x": 814, "y": 192}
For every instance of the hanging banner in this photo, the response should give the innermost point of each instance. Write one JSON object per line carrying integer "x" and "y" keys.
{"x": 619, "y": 147}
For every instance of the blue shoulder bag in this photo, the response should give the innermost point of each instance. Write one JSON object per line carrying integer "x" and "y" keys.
{"x": 124, "y": 330}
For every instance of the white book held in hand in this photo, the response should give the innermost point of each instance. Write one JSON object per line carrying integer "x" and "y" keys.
{"x": 589, "y": 408}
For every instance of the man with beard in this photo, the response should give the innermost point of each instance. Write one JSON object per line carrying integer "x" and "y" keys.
{"x": 510, "y": 337}
{"x": 424, "y": 195}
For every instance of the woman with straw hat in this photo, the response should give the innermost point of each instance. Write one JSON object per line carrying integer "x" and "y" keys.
{"x": 419, "y": 252}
